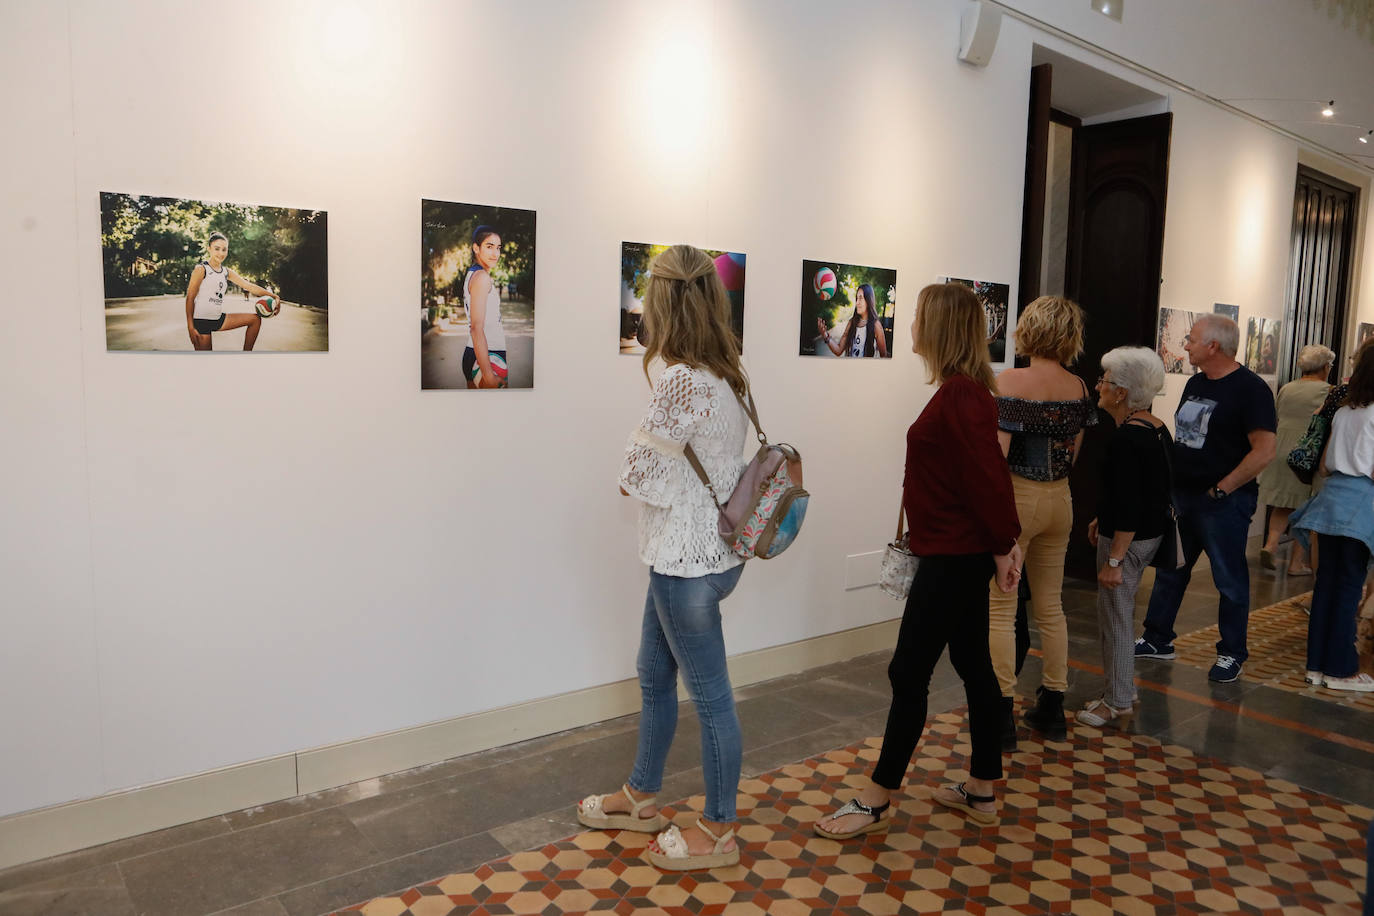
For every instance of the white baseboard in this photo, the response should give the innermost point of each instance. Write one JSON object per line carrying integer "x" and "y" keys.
{"x": 45, "y": 832}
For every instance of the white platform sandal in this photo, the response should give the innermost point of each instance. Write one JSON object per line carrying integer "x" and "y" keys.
{"x": 591, "y": 813}
{"x": 675, "y": 856}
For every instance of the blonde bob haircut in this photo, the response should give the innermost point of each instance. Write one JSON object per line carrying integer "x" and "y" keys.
{"x": 1051, "y": 327}
{"x": 950, "y": 333}
{"x": 687, "y": 316}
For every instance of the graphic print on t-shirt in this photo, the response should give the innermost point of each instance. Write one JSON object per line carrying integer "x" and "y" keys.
{"x": 1190, "y": 422}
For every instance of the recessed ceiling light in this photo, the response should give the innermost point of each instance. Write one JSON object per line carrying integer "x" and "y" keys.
{"x": 1110, "y": 8}
{"x": 1330, "y": 109}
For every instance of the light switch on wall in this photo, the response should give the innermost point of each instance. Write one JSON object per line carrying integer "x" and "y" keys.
{"x": 861, "y": 569}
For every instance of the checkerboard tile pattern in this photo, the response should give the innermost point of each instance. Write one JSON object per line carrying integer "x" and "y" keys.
{"x": 1112, "y": 823}
{"x": 1277, "y": 639}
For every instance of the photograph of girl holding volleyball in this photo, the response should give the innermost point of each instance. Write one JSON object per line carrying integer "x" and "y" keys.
{"x": 476, "y": 296}
{"x": 205, "y": 310}
{"x": 202, "y": 275}
{"x": 847, "y": 310}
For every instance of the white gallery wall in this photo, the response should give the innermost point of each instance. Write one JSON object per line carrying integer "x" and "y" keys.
{"x": 207, "y": 560}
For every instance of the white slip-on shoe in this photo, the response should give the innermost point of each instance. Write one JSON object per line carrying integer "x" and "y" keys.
{"x": 1361, "y": 683}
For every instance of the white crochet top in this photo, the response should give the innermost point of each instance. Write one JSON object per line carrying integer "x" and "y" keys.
{"x": 678, "y": 534}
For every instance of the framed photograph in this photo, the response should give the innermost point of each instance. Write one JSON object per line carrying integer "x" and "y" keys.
{"x": 477, "y": 286}
{"x": 847, "y": 310}
{"x": 635, "y": 260}
{"x": 1174, "y": 325}
{"x": 197, "y": 275}
{"x": 1230, "y": 311}
{"x": 1363, "y": 333}
{"x": 1262, "y": 338}
{"x": 996, "y": 299}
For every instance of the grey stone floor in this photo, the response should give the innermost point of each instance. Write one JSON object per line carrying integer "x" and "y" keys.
{"x": 316, "y": 853}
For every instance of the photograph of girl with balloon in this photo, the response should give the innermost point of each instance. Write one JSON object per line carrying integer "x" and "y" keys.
{"x": 635, "y": 258}
{"x": 476, "y": 296}
{"x": 847, "y": 310}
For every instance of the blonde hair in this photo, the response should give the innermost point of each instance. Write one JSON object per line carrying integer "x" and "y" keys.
{"x": 1051, "y": 327}
{"x": 687, "y": 314}
{"x": 951, "y": 334}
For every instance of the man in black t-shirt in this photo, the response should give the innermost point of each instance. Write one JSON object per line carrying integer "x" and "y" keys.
{"x": 1223, "y": 438}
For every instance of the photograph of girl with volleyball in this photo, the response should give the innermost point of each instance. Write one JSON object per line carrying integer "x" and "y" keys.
{"x": 476, "y": 296}
{"x": 205, "y": 310}
{"x": 205, "y": 275}
{"x": 847, "y": 310}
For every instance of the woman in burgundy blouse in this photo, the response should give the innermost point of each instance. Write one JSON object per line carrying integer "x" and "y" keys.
{"x": 959, "y": 499}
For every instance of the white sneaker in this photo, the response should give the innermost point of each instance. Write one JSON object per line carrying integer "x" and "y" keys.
{"x": 1361, "y": 683}
{"x": 1314, "y": 678}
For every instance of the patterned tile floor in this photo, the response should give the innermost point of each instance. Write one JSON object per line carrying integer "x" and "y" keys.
{"x": 1103, "y": 823}
{"x": 1277, "y": 640}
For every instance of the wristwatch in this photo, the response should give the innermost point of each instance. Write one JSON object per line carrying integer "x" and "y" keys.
{"x": 1113, "y": 562}
{"x": 1217, "y": 493}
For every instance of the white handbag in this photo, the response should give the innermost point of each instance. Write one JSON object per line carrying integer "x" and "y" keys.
{"x": 899, "y": 563}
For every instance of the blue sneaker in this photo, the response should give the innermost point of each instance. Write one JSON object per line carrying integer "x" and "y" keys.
{"x": 1226, "y": 670}
{"x": 1146, "y": 649}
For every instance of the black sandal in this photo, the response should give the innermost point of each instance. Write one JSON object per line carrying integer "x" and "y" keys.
{"x": 959, "y": 798}
{"x": 854, "y": 806}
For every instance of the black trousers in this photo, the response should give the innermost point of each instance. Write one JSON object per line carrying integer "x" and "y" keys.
{"x": 947, "y": 606}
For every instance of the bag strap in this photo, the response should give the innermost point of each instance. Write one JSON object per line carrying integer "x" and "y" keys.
{"x": 746, "y": 403}
{"x": 901, "y": 521}
{"x": 695, "y": 462}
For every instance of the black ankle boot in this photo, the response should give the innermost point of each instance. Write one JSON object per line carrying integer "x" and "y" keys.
{"x": 1008, "y": 725}
{"x": 1048, "y": 715}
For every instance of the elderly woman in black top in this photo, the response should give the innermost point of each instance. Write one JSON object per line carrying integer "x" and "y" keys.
{"x": 1131, "y": 515}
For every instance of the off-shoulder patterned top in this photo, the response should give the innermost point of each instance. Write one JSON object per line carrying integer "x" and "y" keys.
{"x": 1043, "y": 434}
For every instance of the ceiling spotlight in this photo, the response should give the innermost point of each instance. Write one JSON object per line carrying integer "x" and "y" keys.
{"x": 1330, "y": 109}
{"x": 1365, "y": 138}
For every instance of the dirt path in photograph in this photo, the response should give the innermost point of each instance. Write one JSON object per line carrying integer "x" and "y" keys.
{"x": 160, "y": 324}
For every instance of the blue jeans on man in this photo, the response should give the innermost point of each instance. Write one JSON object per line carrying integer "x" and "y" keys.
{"x": 1220, "y": 528}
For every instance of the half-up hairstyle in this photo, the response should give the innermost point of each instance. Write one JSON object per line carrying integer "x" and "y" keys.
{"x": 951, "y": 334}
{"x": 687, "y": 313}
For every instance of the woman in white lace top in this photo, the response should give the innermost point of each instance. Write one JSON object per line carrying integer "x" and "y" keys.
{"x": 696, "y": 400}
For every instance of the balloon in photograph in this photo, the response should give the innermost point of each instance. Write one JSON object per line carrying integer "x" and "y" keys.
{"x": 730, "y": 266}
{"x": 266, "y": 306}
{"x": 825, "y": 283}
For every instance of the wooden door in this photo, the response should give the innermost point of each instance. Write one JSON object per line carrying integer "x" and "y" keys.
{"x": 1319, "y": 270}
{"x": 1115, "y": 250}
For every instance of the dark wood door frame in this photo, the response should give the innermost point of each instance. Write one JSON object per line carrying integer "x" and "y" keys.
{"x": 1320, "y": 269}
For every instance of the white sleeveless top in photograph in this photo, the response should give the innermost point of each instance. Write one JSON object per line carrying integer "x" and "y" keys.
{"x": 496, "y": 335}
{"x": 678, "y": 534}
{"x": 856, "y": 347}
{"x": 210, "y": 296}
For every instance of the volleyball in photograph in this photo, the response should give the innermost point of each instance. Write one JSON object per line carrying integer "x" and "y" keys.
{"x": 846, "y": 309}
{"x": 476, "y": 296}
{"x": 1174, "y": 325}
{"x": 202, "y": 275}
{"x": 996, "y": 298}
{"x": 635, "y": 260}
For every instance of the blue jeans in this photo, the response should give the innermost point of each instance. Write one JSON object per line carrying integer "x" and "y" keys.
{"x": 682, "y": 631}
{"x": 1219, "y": 527}
{"x": 1335, "y": 605}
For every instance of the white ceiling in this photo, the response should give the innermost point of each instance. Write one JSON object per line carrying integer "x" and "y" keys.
{"x": 1276, "y": 60}
{"x": 1086, "y": 92}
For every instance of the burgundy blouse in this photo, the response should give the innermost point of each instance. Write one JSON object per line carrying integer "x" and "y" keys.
{"x": 957, "y": 491}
